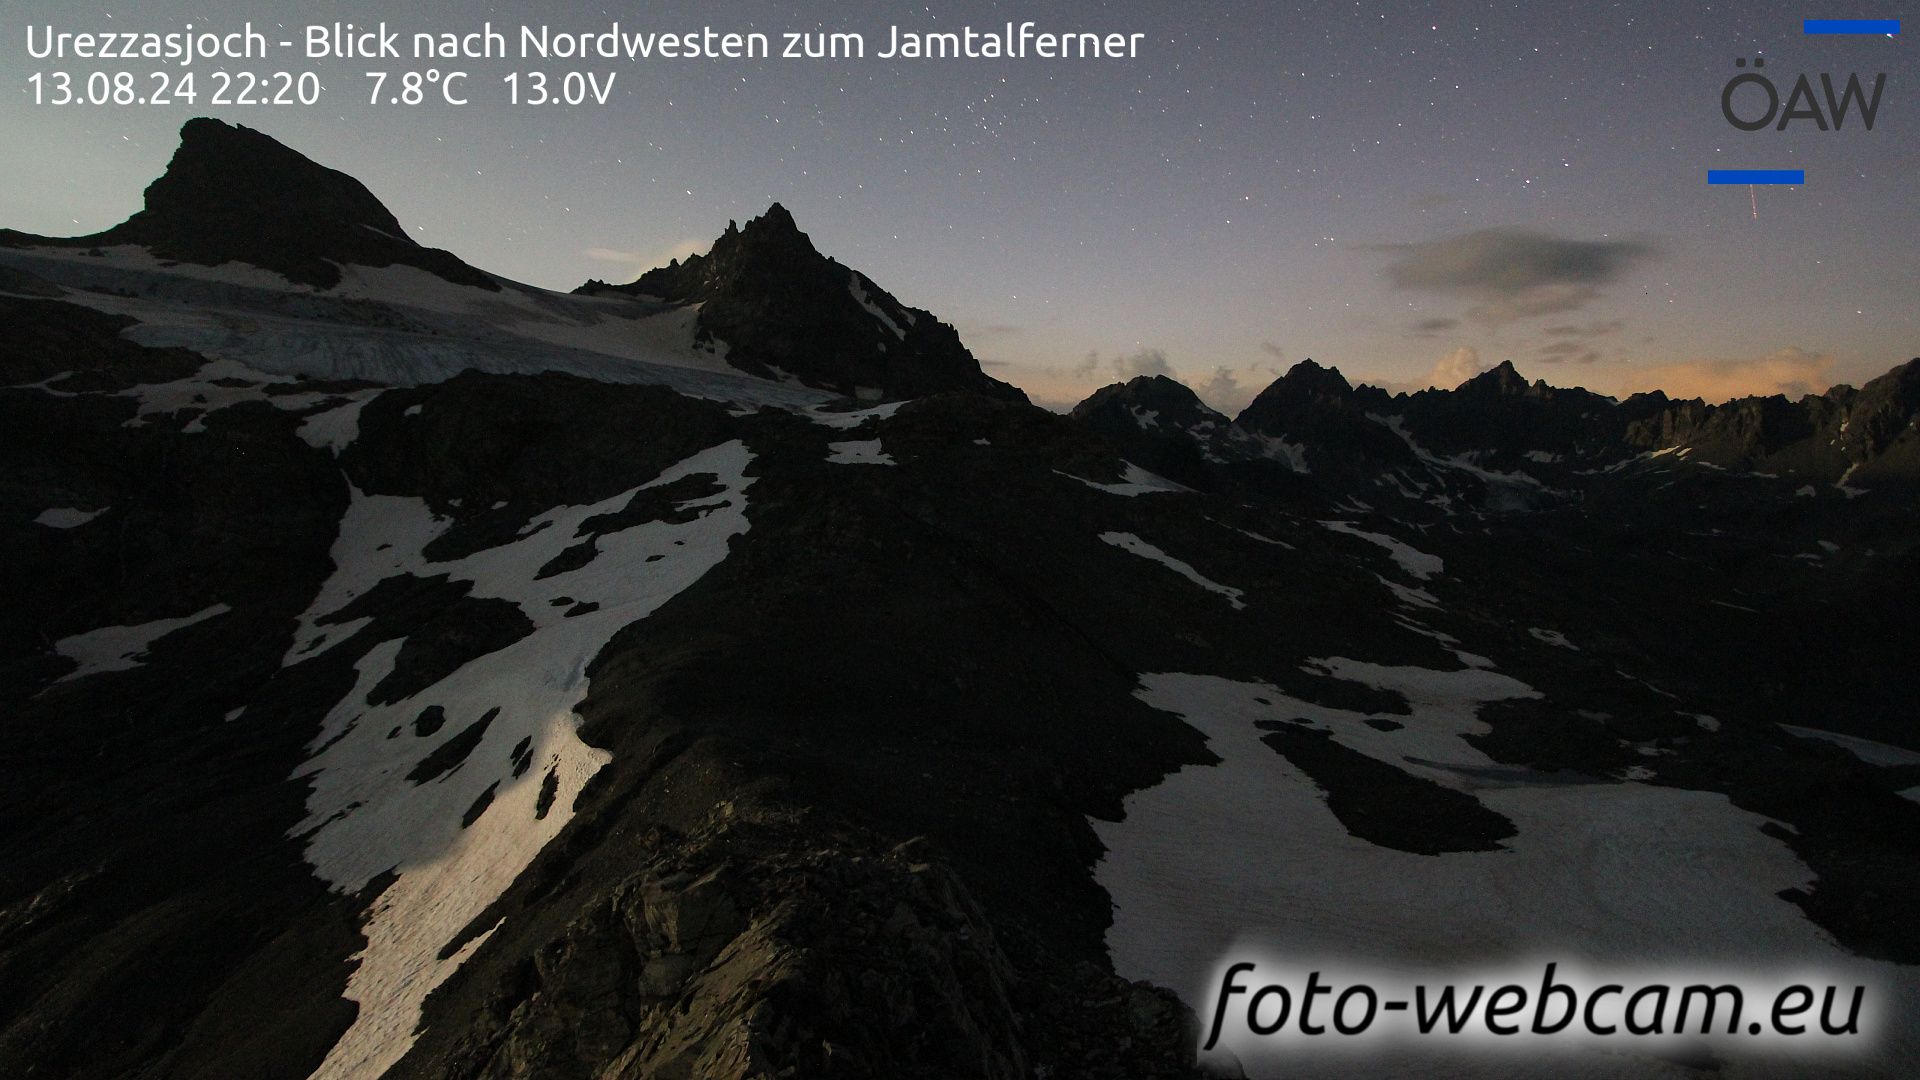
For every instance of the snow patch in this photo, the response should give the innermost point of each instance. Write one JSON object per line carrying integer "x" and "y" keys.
{"x": 1130, "y": 543}
{"x": 1134, "y": 481}
{"x": 848, "y": 419}
{"x": 1552, "y": 637}
{"x": 1416, "y": 563}
{"x": 367, "y": 816}
{"x": 863, "y": 452}
{"x": 1409, "y": 595}
{"x": 335, "y": 428}
{"x": 122, "y": 648}
{"x": 1279, "y": 449}
{"x": 1841, "y": 486}
{"x": 67, "y": 517}
{"x": 1244, "y": 857}
{"x": 857, "y": 286}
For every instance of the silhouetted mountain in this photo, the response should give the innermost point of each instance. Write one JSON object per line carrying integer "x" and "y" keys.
{"x": 1313, "y": 419}
{"x": 1497, "y": 442}
{"x": 1158, "y": 423}
{"x": 233, "y": 194}
{"x": 782, "y": 309}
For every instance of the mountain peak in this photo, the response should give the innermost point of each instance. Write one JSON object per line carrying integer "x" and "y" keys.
{"x": 1161, "y": 394}
{"x": 233, "y": 194}
{"x": 1305, "y": 385}
{"x": 785, "y": 310}
{"x": 1502, "y": 378}
{"x": 227, "y": 171}
{"x": 773, "y": 235}
{"x": 1314, "y": 379}
{"x": 776, "y": 217}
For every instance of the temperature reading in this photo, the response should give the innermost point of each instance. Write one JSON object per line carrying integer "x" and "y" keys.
{"x": 413, "y": 87}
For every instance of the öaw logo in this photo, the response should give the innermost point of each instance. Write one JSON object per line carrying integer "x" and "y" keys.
{"x": 1752, "y": 101}
{"x": 1801, "y": 103}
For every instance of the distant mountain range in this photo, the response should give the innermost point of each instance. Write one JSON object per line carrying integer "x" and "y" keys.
{"x": 408, "y": 672}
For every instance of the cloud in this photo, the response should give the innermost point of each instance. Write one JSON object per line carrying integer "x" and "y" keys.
{"x": 1144, "y": 362}
{"x": 1225, "y": 392}
{"x": 1133, "y": 365}
{"x": 1279, "y": 354}
{"x": 1456, "y": 367}
{"x": 1448, "y": 372}
{"x": 1431, "y": 327}
{"x": 1794, "y": 372}
{"x": 993, "y": 330}
{"x": 1568, "y": 351}
{"x": 642, "y": 261}
{"x": 1513, "y": 274}
{"x": 1590, "y": 330}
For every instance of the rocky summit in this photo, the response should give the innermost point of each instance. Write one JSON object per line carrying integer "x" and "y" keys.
{"x": 232, "y": 194}
{"x": 783, "y": 310}
{"x": 416, "y": 674}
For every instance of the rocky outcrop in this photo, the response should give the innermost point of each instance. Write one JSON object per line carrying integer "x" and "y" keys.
{"x": 769, "y": 945}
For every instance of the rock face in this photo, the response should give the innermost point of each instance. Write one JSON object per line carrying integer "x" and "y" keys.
{"x": 232, "y": 194}
{"x": 780, "y": 307}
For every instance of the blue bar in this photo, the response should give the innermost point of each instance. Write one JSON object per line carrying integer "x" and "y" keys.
{"x": 1851, "y": 26}
{"x": 1756, "y": 176}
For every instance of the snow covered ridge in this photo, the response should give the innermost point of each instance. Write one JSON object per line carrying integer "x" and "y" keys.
{"x": 457, "y": 787}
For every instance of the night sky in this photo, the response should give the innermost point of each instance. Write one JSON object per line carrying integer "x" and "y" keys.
{"x": 1412, "y": 192}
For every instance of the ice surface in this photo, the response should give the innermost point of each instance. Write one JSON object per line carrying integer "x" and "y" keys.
{"x": 1131, "y": 543}
{"x": 366, "y": 817}
{"x": 401, "y": 326}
